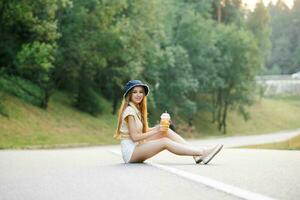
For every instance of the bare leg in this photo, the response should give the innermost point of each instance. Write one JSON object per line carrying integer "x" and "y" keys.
{"x": 153, "y": 147}
{"x": 173, "y": 136}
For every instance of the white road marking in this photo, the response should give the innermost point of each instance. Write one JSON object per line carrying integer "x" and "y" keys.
{"x": 229, "y": 189}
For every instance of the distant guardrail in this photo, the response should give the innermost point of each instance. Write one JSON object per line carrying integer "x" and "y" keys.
{"x": 279, "y": 84}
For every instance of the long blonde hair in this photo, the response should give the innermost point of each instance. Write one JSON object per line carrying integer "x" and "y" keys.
{"x": 142, "y": 108}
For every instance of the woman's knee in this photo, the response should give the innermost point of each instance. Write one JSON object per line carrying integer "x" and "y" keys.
{"x": 171, "y": 133}
{"x": 165, "y": 141}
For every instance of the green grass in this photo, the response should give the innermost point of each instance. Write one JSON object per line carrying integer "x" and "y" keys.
{"x": 291, "y": 144}
{"x": 15, "y": 86}
{"x": 61, "y": 124}
{"x": 267, "y": 115}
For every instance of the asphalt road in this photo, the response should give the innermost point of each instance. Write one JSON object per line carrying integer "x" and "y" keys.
{"x": 99, "y": 173}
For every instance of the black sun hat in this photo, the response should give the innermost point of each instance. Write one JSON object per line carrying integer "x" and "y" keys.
{"x": 133, "y": 83}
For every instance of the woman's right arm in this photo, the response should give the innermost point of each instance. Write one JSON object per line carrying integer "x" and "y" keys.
{"x": 135, "y": 135}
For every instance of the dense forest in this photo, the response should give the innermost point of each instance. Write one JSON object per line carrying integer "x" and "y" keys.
{"x": 284, "y": 57}
{"x": 197, "y": 56}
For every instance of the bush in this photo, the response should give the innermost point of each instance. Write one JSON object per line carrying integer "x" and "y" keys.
{"x": 90, "y": 101}
{"x": 21, "y": 88}
{"x": 3, "y": 110}
{"x": 275, "y": 70}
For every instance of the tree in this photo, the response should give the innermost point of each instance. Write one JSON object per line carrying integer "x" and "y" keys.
{"x": 228, "y": 11}
{"x": 197, "y": 35}
{"x": 238, "y": 64}
{"x": 295, "y": 39}
{"x": 284, "y": 38}
{"x": 175, "y": 83}
{"x": 258, "y": 23}
{"x": 29, "y": 34}
{"x": 90, "y": 50}
{"x": 35, "y": 62}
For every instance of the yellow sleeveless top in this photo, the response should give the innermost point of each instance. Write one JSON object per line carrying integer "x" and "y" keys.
{"x": 132, "y": 110}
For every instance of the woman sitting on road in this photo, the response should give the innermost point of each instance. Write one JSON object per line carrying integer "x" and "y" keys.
{"x": 139, "y": 142}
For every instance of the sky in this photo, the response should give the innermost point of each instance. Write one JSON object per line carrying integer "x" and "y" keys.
{"x": 251, "y": 3}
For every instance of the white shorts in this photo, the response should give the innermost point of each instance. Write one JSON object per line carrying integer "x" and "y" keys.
{"x": 127, "y": 148}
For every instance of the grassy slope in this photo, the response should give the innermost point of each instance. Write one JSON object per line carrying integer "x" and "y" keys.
{"x": 62, "y": 124}
{"x": 267, "y": 115}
